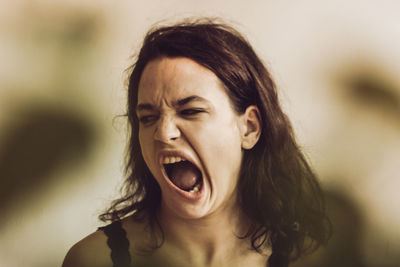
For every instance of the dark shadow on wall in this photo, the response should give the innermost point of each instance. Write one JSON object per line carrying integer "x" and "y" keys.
{"x": 344, "y": 247}
{"x": 365, "y": 87}
{"x": 371, "y": 88}
{"x": 43, "y": 141}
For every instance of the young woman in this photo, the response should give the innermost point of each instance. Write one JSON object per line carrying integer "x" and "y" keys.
{"x": 214, "y": 175}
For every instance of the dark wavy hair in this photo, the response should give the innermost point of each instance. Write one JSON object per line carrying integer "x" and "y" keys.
{"x": 278, "y": 190}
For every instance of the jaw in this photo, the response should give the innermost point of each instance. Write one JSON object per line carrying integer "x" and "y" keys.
{"x": 207, "y": 209}
{"x": 210, "y": 199}
{"x": 187, "y": 219}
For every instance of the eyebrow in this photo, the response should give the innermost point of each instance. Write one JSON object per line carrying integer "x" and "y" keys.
{"x": 178, "y": 103}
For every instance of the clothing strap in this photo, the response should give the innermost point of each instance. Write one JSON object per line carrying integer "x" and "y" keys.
{"x": 118, "y": 243}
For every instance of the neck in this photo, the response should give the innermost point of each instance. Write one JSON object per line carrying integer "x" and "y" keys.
{"x": 208, "y": 229}
{"x": 207, "y": 240}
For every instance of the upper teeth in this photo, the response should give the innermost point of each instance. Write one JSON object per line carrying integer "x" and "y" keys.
{"x": 169, "y": 160}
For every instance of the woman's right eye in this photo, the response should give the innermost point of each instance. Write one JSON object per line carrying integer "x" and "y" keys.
{"x": 191, "y": 111}
{"x": 147, "y": 119}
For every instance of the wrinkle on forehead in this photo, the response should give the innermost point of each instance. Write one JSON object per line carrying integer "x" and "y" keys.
{"x": 166, "y": 80}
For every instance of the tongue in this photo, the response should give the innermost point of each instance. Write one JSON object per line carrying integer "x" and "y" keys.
{"x": 184, "y": 175}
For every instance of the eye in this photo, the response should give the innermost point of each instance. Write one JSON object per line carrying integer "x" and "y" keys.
{"x": 147, "y": 119}
{"x": 191, "y": 111}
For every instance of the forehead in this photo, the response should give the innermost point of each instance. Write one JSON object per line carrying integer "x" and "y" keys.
{"x": 168, "y": 79}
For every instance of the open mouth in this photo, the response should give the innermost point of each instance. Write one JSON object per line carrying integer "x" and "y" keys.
{"x": 184, "y": 175}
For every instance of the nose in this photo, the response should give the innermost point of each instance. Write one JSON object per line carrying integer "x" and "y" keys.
{"x": 166, "y": 130}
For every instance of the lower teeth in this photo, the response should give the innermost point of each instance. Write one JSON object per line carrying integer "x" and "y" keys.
{"x": 195, "y": 189}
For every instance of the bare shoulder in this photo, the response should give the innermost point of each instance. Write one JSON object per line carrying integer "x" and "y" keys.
{"x": 93, "y": 250}
{"x": 90, "y": 251}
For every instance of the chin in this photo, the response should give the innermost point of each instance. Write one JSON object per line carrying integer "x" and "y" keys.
{"x": 187, "y": 211}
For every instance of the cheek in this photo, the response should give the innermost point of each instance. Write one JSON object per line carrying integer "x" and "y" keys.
{"x": 226, "y": 136}
{"x": 220, "y": 144}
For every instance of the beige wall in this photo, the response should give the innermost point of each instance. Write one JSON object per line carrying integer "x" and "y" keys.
{"x": 61, "y": 74}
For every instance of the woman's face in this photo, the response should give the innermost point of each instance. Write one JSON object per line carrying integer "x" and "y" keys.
{"x": 185, "y": 114}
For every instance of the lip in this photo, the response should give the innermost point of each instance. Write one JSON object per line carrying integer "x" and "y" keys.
{"x": 179, "y": 153}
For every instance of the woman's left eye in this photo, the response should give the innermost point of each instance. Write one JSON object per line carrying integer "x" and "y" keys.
{"x": 191, "y": 111}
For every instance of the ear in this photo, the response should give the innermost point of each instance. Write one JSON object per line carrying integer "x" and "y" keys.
{"x": 250, "y": 127}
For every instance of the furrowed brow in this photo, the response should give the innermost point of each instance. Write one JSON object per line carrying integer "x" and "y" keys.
{"x": 193, "y": 98}
{"x": 178, "y": 103}
{"x": 144, "y": 106}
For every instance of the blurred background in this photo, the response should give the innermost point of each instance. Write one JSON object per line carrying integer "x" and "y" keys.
{"x": 62, "y": 63}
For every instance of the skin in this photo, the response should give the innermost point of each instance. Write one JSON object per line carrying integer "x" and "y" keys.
{"x": 192, "y": 129}
{"x": 199, "y": 231}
